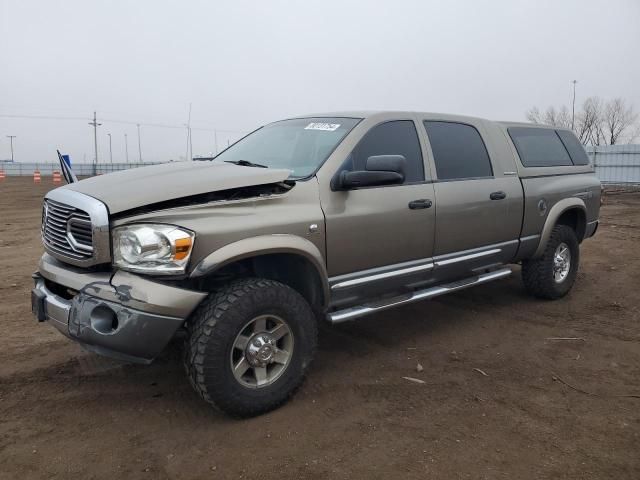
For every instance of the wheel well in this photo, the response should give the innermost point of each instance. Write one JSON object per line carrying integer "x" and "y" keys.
{"x": 576, "y": 219}
{"x": 291, "y": 269}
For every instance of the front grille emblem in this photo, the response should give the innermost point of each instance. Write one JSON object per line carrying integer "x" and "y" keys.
{"x": 67, "y": 230}
{"x": 75, "y": 228}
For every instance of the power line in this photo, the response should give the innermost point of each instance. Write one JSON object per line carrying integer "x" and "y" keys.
{"x": 126, "y": 122}
{"x": 94, "y": 123}
{"x": 43, "y": 117}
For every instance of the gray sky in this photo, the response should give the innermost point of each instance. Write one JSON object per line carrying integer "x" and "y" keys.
{"x": 243, "y": 64}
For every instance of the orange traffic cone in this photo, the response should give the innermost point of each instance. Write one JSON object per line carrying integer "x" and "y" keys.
{"x": 36, "y": 176}
{"x": 56, "y": 177}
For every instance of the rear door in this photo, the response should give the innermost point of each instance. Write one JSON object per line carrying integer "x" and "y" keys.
{"x": 478, "y": 201}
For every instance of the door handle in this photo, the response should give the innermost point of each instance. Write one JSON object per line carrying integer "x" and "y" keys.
{"x": 420, "y": 203}
{"x": 498, "y": 196}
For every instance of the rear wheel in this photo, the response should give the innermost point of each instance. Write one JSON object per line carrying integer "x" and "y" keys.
{"x": 553, "y": 274}
{"x": 250, "y": 345}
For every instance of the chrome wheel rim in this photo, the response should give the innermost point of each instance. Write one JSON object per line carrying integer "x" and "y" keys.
{"x": 261, "y": 351}
{"x": 561, "y": 263}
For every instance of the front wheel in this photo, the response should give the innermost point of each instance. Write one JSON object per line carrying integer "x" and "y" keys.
{"x": 553, "y": 274}
{"x": 250, "y": 345}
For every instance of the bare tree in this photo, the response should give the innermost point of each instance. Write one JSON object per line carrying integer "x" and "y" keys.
{"x": 533, "y": 115}
{"x": 588, "y": 125}
{"x": 551, "y": 116}
{"x": 618, "y": 119}
{"x": 598, "y": 123}
{"x": 563, "y": 118}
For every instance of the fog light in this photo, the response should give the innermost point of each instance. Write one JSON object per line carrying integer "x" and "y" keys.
{"x": 104, "y": 319}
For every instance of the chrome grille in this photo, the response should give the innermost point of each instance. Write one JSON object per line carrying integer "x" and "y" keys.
{"x": 67, "y": 230}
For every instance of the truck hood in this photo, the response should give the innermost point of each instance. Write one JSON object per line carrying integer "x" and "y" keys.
{"x": 128, "y": 189}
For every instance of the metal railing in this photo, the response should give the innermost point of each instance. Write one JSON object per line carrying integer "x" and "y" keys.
{"x": 80, "y": 169}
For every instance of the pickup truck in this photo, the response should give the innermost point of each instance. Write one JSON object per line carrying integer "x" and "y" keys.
{"x": 326, "y": 217}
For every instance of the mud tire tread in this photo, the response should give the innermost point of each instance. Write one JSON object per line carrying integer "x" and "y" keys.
{"x": 217, "y": 321}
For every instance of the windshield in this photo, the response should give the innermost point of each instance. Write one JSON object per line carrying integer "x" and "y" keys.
{"x": 300, "y": 145}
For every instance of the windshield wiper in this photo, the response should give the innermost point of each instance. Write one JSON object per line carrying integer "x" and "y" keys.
{"x": 245, "y": 163}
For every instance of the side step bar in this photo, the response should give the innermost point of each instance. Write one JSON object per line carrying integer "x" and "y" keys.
{"x": 350, "y": 313}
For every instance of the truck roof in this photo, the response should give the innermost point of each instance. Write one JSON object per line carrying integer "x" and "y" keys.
{"x": 508, "y": 124}
{"x": 444, "y": 116}
{"x": 374, "y": 113}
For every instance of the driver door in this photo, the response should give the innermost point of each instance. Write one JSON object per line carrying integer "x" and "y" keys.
{"x": 380, "y": 238}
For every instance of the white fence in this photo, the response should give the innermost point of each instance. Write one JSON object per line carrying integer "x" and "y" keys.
{"x": 616, "y": 164}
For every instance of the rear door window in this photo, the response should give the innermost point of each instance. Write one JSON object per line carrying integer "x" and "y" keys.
{"x": 539, "y": 147}
{"x": 574, "y": 147}
{"x": 458, "y": 151}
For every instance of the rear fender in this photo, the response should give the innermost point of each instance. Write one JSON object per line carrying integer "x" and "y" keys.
{"x": 552, "y": 219}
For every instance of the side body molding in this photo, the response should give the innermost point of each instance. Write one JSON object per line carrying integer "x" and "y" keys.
{"x": 552, "y": 218}
{"x": 264, "y": 245}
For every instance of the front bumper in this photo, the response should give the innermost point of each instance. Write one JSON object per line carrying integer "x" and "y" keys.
{"x": 122, "y": 315}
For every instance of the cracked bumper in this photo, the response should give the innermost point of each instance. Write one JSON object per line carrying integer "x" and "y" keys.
{"x": 124, "y": 316}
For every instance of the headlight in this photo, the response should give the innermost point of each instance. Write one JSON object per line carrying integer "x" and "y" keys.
{"x": 152, "y": 248}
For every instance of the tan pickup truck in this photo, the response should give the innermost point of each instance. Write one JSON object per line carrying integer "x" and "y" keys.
{"x": 317, "y": 218}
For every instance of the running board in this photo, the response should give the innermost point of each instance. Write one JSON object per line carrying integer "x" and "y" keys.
{"x": 350, "y": 313}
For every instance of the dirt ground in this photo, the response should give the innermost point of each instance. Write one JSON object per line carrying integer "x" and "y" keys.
{"x": 542, "y": 408}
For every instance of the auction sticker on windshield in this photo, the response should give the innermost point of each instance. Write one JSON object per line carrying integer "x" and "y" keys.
{"x": 327, "y": 127}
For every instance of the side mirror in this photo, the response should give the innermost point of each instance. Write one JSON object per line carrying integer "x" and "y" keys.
{"x": 380, "y": 170}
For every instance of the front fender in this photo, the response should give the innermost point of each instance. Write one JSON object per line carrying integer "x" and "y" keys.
{"x": 263, "y": 245}
{"x": 552, "y": 218}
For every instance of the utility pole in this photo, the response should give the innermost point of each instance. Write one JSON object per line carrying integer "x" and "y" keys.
{"x": 215, "y": 140}
{"x": 126, "y": 148}
{"x": 186, "y": 156}
{"x": 95, "y": 126}
{"x": 139, "y": 145}
{"x": 110, "y": 150}
{"x": 573, "y": 107}
{"x": 11, "y": 137}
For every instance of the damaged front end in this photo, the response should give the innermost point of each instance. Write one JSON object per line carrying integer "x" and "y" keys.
{"x": 120, "y": 315}
{"x": 92, "y": 287}
{"x": 228, "y": 195}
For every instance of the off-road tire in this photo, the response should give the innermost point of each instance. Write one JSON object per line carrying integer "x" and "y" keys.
{"x": 537, "y": 274}
{"x": 213, "y": 328}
